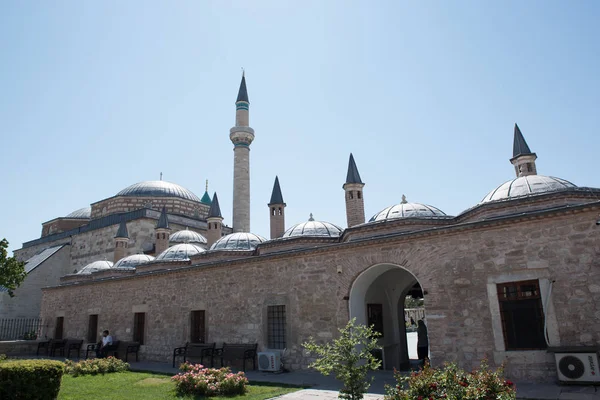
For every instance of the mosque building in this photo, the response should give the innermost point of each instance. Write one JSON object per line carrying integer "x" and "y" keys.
{"x": 508, "y": 279}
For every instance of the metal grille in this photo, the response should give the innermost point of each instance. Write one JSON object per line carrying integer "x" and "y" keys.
{"x": 276, "y": 327}
{"x": 20, "y": 328}
{"x": 522, "y": 315}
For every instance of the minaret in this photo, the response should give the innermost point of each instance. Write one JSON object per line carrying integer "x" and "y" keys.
{"x": 523, "y": 159}
{"x": 277, "y": 211}
{"x": 162, "y": 232}
{"x": 215, "y": 222}
{"x": 121, "y": 242}
{"x": 242, "y": 136}
{"x": 355, "y": 205}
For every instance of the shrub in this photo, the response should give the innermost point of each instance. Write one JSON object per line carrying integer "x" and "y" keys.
{"x": 452, "y": 383}
{"x": 95, "y": 366}
{"x": 195, "y": 380}
{"x": 30, "y": 379}
{"x": 350, "y": 357}
{"x": 3, "y": 357}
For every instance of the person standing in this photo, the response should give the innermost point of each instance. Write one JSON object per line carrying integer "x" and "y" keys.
{"x": 422, "y": 341}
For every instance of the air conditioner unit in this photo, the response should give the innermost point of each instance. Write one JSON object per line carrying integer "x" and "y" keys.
{"x": 269, "y": 361}
{"x": 577, "y": 367}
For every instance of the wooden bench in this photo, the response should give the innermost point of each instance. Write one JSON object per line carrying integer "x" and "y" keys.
{"x": 110, "y": 349}
{"x": 230, "y": 352}
{"x": 57, "y": 344}
{"x": 195, "y": 351}
{"x": 132, "y": 348}
{"x": 72, "y": 344}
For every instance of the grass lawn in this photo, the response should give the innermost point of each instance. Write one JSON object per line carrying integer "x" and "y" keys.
{"x": 138, "y": 385}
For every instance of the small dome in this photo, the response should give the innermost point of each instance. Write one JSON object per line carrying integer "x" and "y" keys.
{"x": 314, "y": 228}
{"x": 408, "y": 210}
{"x": 133, "y": 261}
{"x": 158, "y": 189}
{"x": 187, "y": 236}
{"x": 181, "y": 251}
{"x": 527, "y": 185}
{"x": 238, "y": 241}
{"x": 82, "y": 213}
{"x": 95, "y": 266}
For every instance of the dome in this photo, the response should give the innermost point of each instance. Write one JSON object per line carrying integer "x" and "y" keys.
{"x": 181, "y": 251}
{"x": 187, "y": 236}
{"x": 133, "y": 261}
{"x": 527, "y": 185}
{"x": 158, "y": 189}
{"x": 82, "y": 213}
{"x": 238, "y": 241}
{"x": 314, "y": 228}
{"x": 408, "y": 210}
{"x": 96, "y": 266}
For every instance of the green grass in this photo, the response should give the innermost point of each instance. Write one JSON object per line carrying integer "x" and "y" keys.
{"x": 137, "y": 385}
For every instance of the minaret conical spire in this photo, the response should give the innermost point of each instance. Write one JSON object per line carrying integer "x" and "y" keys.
{"x": 353, "y": 176}
{"x": 276, "y": 196}
{"x": 277, "y": 211}
{"x": 215, "y": 209}
{"x": 523, "y": 159}
{"x": 243, "y": 92}
{"x": 163, "y": 221}
{"x": 122, "y": 231}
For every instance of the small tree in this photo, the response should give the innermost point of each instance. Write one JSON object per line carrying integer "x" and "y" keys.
{"x": 350, "y": 357}
{"x": 12, "y": 272}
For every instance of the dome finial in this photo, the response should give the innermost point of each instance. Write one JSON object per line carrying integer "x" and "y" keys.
{"x": 311, "y": 217}
{"x": 403, "y": 200}
{"x": 206, "y": 189}
{"x": 161, "y": 176}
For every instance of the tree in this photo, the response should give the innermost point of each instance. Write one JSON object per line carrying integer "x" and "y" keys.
{"x": 12, "y": 272}
{"x": 350, "y": 357}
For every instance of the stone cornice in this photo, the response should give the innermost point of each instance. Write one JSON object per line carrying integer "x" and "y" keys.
{"x": 365, "y": 242}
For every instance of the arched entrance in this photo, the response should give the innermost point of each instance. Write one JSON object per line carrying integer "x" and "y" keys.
{"x": 377, "y": 297}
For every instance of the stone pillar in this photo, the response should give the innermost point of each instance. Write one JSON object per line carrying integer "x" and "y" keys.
{"x": 162, "y": 240}
{"x": 215, "y": 230}
{"x": 121, "y": 245}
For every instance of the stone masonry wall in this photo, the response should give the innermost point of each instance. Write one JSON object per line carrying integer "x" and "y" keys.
{"x": 174, "y": 205}
{"x": 454, "y": 269}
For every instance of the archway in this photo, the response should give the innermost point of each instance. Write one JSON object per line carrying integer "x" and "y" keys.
{"x": 377, "y": 297}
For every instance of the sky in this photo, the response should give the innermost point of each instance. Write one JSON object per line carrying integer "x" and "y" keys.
{"x": 96, "y": 96}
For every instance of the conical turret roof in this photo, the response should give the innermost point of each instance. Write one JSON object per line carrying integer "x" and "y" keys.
{"x": 353, "y": 176}
{"x": 122, "y": 231}
{"x": 243, "y": 92}
{"x": 276, "y": 196}
{"x": 163, "y": 221}
{"x": 215, "y": 209}
{"x": 520, "y": 146}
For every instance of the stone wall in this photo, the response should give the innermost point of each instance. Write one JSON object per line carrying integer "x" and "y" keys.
{"x": 454, "y": 266}
{"x": 174, "y": 205}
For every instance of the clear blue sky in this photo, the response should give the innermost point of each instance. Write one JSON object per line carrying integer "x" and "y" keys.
{"x": 96, "y": 96}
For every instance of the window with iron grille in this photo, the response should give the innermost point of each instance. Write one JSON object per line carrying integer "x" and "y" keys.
{"x": 522, "y": 315}
{"x": 197, "y": 327}
{"x": 93, "y": 328}
{"x": 276, "y": 327}
{"x": 139, "y": 323}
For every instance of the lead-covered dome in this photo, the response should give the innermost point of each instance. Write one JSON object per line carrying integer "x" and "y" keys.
{"x": 95, "y": 267}
{"x": 313, "y": 228}
{"x": 238, "y": 241}
{"x": 408, "y": 210}
{"x": 187, "y": 236}
{"x": 527, "y": 185}
{"x": 158, "y": 189}
{"x": 133, "y": 261}
{"x": 82, "y": 213}
{"x": 181, "y": 251}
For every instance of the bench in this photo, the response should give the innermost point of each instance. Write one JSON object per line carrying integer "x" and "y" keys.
{"x": 230, "y": 352}
{"x": 72, "y": 344}
{"x": 110, "y": 349}
{"x": 57, "y": 344}
{"x": 195, "y": 351}
{"x": 132, "y": 348}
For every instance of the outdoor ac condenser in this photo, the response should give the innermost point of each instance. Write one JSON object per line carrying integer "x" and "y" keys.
{"x": 269, "y": 361}
{"x": 577, "y": 367}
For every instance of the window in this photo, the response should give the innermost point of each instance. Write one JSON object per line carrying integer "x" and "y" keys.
{"x": 375, "y": 317}
{"x": 93, "y": 328}
{"x": 198, "y": 327}
{"x": 529, "y": 168}
{"x": 358, "y": 194}
{"x": 350, "y": 194}
{"x": 139, "y": 322}
{"x": 276, "y": 327}
{"x": 522, "y": 315}
{"x": 58, "y": 329}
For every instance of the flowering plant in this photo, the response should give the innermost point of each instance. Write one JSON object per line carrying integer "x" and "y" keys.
{"x": 95, "y": 366}
{"x": 197, "y": 380}
{"x": 452, "y": 383}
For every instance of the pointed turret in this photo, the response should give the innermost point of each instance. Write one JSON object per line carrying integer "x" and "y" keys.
{"x": 162, "y": 232}
{"x": 121, "y": 242}
{"x": 352, "y": 176}
{"x": 523, "y": 159}
{"x": 355, "y": 206}
{"x": 214, "y": 222}
{"x": 205, "y": 197}
{"x": 277, "y": 211}
{"x": 241, "y": 136}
